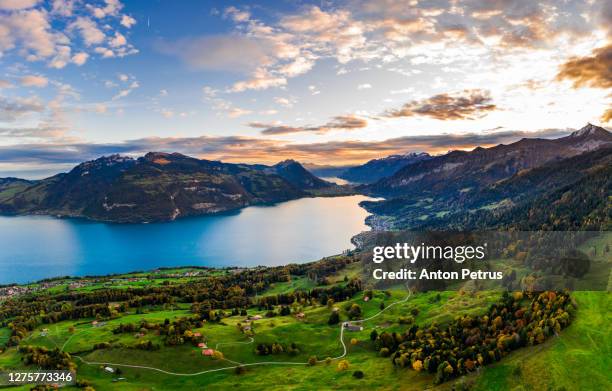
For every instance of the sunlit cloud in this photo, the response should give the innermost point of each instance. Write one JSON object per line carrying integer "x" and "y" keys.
{"x": 341, "y": 122}
{"x": 468, "y": 104}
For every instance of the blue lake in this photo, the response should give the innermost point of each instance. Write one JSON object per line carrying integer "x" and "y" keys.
{"x": 36, "y": 247}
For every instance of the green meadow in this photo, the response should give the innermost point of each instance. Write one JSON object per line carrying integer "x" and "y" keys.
{"x": 577, "y": 358}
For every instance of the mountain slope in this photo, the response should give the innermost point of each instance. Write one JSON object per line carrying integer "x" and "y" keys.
{"x": 157, "y": 187}
{"x": 571, "y": 194}
{"x": 461, "y": 171}
{"x": 294, "y": 173}
{"x": 494, "y": 178}
{"x": 376, "y": 169}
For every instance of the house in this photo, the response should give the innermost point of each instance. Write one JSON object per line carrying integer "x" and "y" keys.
{"x": 207, "y": 352}
{"x": 109, "y": 369}
{"x": 256, "y": 317}
{"x": 352, "y": 326}
{"x": 300, "y": 315}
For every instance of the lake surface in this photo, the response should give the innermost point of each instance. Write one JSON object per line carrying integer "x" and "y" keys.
{"x": 36, "y": 247}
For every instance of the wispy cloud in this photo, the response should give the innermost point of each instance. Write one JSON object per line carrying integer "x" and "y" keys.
{"x": 34, "y": 81}
{"x": 342, "y": 122}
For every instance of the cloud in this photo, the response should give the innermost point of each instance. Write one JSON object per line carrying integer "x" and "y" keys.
{"x": 34, "y": 81}
{"x": 269, "y": 112}
{"x": 467, "y": 104}
{"x": 90, "y": 32}
{"x": 606, "y": 116}
{"x": 593, "y": 71}
{"x": 385, "y": 31}
{"x": 17, "y": 4}
{"x": 250, "y": 149}
{"x": 342, "y": 122}
{"x": 236, "y": 15}
{"x": 298, "y": 67}
{"x": 590, "y": 71}
{"x": 111, "y": 8}
{"x": 126, "y": 91}
{"x": 364, "y": 86}
{"x": 13, "y": 109}
{"x": 127, "y": 21}
{"x": 62, "y": 7}
{"x": 80, "y": 58}
{"x": 118, "y": 40}
{"x": 48, "y": 31}
{"x": 233, "y": 53}
{"x": 285, "y": 102}
{"x": 262, "y": 80}
{"x": 6, "y": 84}
{"x": 236, "y": 112}
{"x": 209, "y": 92}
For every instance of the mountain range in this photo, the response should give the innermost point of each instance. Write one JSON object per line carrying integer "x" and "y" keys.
{"x": 533, "y": 183}
{"x": 371, "y": 171}
{"x": 461, "y": 187}
{"x": 158, "y": 187}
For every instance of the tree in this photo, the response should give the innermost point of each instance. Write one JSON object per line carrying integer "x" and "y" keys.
{"x": 240, "y": 369}
{"x": 355, "y": 311}
{"x": 417, "y": 365}
{"x": 373, "y": 335}
{"x": 334, "y": 318}
{"x": 217, "y": 355}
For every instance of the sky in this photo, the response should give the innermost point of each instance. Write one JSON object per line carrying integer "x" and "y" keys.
{"x": 325, "y": 82}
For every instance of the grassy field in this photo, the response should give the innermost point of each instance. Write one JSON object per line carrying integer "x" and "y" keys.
{"x": 578, "y": 358}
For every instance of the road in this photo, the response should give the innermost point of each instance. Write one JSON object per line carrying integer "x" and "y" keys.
{"x": 238, "y": 364}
